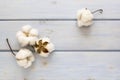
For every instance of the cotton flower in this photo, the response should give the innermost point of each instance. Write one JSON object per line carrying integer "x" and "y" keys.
{"x": 44, "y": 47}
{"x": 84, "y": 17}
{"x": 24, "y": 58}
{"x": 27, "y": 36}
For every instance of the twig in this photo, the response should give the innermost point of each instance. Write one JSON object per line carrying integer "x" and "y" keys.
{"x": 10, "y": 47}
{"x": 99, "y": 10}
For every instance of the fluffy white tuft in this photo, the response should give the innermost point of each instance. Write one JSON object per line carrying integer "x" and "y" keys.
{"x": 19, "y": 34}
{"x": 84, "y": 17}
{"x": 27, "y": 36}
{"x": 32, "y": 40}
{"x": 23, "y": 41}
{"x": 33, "y": 32}
{"x": 26, "y": 28}
{"x": 25, "y": 58}
{"x": 50, "y": 47}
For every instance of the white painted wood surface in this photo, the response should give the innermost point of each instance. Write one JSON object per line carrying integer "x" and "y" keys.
{"x": 64, "y": 66}
{"x": 22, "y": 9}
{"x": 102, "y": 35}
{"x": 68, "y": 62}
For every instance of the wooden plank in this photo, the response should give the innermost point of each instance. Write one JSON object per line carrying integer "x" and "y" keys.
{"x": 66, "y": 35}
{"x": 9, "y": 70}
{"x": 64, "y": 66}
{"x": 12, "y": 9}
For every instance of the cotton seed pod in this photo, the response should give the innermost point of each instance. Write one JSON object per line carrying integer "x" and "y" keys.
{"x": 84, "y": 17}
{"x": 24, "y": 58}
{"x": 27, "y": 36}
{"x": 44, "y": 47}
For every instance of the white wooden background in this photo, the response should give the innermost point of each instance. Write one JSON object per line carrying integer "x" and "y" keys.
{"x": 91, "y": 53}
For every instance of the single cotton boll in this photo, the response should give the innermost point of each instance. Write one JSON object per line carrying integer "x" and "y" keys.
{"x": 26, "y": 28}
{"x": 32, "y": 40}
{"x": 33, "y": 32}
{"x": 84, "y": 17}
{"x": 50, "y": 47}
{"x": 24, "y": 41}
{"x": 44, "y": 47}
{"x": 24, "y": 58}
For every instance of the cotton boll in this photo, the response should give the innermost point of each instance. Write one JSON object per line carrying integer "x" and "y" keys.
{"x": 33, "y": 32}
{"x": 26, "y": 28}
{"x": 84, "y": 17}
{"x": 27, "y": 36}
{"x": 24, "y": 58}
{"x": 24, "y": 41}
{"x": 44, "y": 47}
{"x": 50, "y": 47}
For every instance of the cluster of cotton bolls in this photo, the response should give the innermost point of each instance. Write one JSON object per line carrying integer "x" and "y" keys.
{"x": 28, "y": 36}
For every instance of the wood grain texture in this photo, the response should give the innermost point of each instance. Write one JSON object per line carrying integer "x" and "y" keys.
{"x": 67, "y": 62}
{"x": 29, "y": 9}
{"x": 66, "y": 35}
{"x": 64, "y": 66}
{"x": 9, "y": 70}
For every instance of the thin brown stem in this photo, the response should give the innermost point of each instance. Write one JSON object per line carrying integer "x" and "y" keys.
{"x": 10, "y": 47}
{"x": 99, "y": 10}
